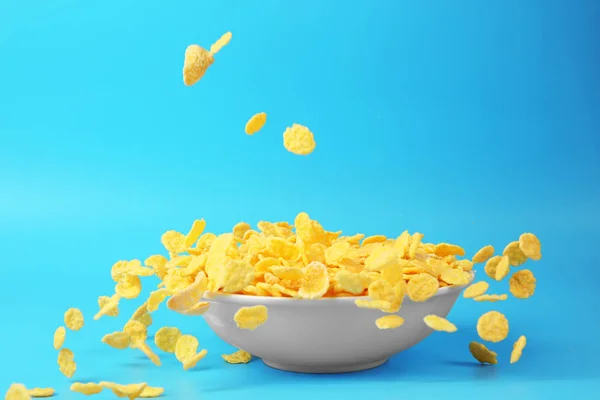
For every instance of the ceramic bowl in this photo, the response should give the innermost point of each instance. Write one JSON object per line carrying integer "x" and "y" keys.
{"x": 329, "y": 335}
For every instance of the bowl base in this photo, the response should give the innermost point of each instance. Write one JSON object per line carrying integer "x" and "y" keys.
{"x": 325, "y": 369}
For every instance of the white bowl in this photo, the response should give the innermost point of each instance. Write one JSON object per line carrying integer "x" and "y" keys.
{"x": 330, "y": 335}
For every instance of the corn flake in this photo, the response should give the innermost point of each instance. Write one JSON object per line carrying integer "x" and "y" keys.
{"x": 220, "y": 43}
{"x": 166, "y": 338}
{"x": 151, "y": 392}
{"x": 251, "y": 318}
{"x": 17, "y": 391}
{"x": 41, "y": 392}
{"x": 66, "y": 362}
{"x": 239, "y": 357}
{"x": 482, "y": 354}
{"x": 192, "y": 361}
{"x": 483, "y": 254}
{"x": 117, "y": 340}
{"x": 492, "y": 327}
{"x": 491, "y": 297}
{"x": 132, "y": 391}
{"x": 128, "y": 286}
{"x": 515, "y": 255}
{"x": 490, "y": 266}
{"x": 476, "y": 289}
{"x": 502, "y": 268}
{"x": 298, "y": 139}
{"x": 74, "y": 319}
{"x": 439, "y": 324}
{"x": 517, "y": 350}
{"x": 112, "y": 310}
{"x": 186, "y": 347}
{"x": 389, "y": 322}
{"x": 59, "y": 337}
{"x": 522, "y": 284}
{"x": 315, "y": 282}
{"x": 422, "y": 287}
{"x": 87, "y": 389}
{"x": 255, "y": 123}
{"x": 188, "y": 297}
{"x": 455, "y": 276}
{"x": 446, "y": 249}
{"x": 196, "y": 63}
{"x": 530, "y": 246}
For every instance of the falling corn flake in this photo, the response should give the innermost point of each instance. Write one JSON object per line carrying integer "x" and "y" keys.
{"x": 220, "y": 43}
{"x": 492, "y": 327}
{"x": 251, "y": 318}
{"x": 530, "y": 246}
{"x": 113, "y": 306}
{"x": 117, "y": 340}
{"x": 517, "y": 350}
{"x": 66, "y": 362}
{"x": 193, "y": 361}
{"x": 522, "y": 284}
{"x": 476, "y": 289}
{"x": 256, "y": 123}
{"x": 502, "y": 268}
{"x": 490, "y": 266}
{"x": 439, "y": 324}
{"x": 298, "y": 139}
{"x": 17, "y": 391}
{"x": 186, "y": 347}
{"x": 74, "y": 319}
{"x": 239, "y": 357}
{"x": 152, "y": 392}
{"x": 59, "y": 337}
{"x": 41, "y": 392}
{"x": 483, "y": 254}
{"x": 389, "y": 322}
{"x": 166, "y": 338}
{"x": 87, "y": 389}
{"x": 482, "y": 354}
{"x": 515, "y": 255}
{"x": 196, "y": 62}
{"x": 491, "y": 297}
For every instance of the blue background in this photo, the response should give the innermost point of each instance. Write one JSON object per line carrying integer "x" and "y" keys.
{"x": 470, "y": 121}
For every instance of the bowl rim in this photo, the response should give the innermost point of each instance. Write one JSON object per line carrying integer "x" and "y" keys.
{"x": 228, "y": 298}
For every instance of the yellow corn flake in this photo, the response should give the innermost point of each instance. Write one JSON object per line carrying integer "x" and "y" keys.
{"x": 251, "y": 318}
{"x": 373, "y": 304}
{"x": 192, "y": 361}
{"x": 350, "y": 282}
{"x": 196, "y": 63}
{"x": 530, "y": 246}
{"x": 491, "y": 297}
{"x": 522, "y": 284}
{"x": 220, "y": 43}
{"x": 129, "y": 286}
{"x": 239, "y": 357}
{"x": 476, "y": 289}
{"x": 490, "y": 266}
{"x": 236, "y": 275}
{"x": 59, "y": 337}
{"x": 483, "y": 254}
{"x": 117, "y": 340}
{"x": 74, "y": 319}
{"x": 492, "y": 327}
{"x": 106, "y": 301}
{"x": 255, "y": 123}
{"x": 465, "y": 265}
{"x": 156, "y": 297}
{"x": 197, "y": 309}
{"x": 515, "y": 255}
{"x": 439, "y": 324}
{"x": 131, "y": 391}
{"x": 389, "y": 322}
{"x": 136, "y": 330}
{"x": 66, "y": 362}
{"x": 157, "y": 262}
{"x": 382, "y": 259}
{"x": 142, "y": 314}
{"x": 381, "y": 290}
{"x": 298, "y": 139}
{"x": 188, "y": 297}
{"x": 415, "y": 242}
{"x": 166, "y": 338}
{"x": 336, "y": 252}
{"x": 144, "y": 348}
{"x": 87, "y": 389}
{"x": 111, "y": 307}
{"x": 422, "y": 287}
{"x": 291, "y": 273}
{"x": 186, "y": 347}
{"x": 502, "y": 268}
{"x": 315, "y": 282}
{"x": 446, "y": 249}
{"x": 194, "y": 234}
{"x": 482, "y": 354}
{"x": 17, "y": 391}
{"x": 455, "y": 276}
{"x": 152, "y": 392}
{"x": 240, "y": 229}
{"x": 517, "y": 350}
{"x": 373, "y": 239}
{"x": 41, "y": 392}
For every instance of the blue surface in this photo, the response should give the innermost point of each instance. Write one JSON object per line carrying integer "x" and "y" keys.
{"x": 469, "y": 121}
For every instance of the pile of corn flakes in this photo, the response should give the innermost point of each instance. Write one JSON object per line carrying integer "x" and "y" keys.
{"x": 297, "y": 261}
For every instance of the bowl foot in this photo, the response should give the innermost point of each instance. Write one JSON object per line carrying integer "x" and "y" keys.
{"x": 325, "y": 369}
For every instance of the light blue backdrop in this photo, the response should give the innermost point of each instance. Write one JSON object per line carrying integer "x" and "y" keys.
{"x": 470, "y": 121}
